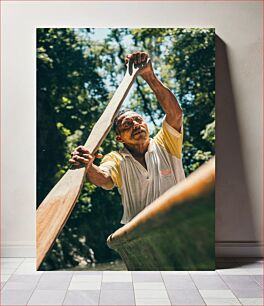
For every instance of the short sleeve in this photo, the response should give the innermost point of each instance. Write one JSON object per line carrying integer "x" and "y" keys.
{"x": 170, "y": 138}
{"x": 111, "y": 164}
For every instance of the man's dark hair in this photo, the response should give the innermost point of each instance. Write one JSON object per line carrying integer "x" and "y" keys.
{"x": 120, "y": 113}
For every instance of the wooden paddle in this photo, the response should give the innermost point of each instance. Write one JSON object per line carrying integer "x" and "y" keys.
{"x": 56, "y": 208}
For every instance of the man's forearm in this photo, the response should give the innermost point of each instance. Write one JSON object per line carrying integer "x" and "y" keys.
{"x": 167, "y": 100}
{"x": 96, "y": 176}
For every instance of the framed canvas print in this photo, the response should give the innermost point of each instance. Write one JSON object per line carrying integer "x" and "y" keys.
{"x": 125, "y": 148}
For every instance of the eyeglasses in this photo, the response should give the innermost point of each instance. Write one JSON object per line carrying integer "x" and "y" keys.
{"x": 127, "y": 123}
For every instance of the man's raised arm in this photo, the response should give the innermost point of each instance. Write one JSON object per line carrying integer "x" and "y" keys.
{"x": 163, "y": 94}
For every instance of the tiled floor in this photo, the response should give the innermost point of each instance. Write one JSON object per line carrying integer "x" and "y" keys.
{"x": 237, "y": 282}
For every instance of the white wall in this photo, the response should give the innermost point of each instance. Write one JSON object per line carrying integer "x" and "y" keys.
{"x": 239, "y": 107}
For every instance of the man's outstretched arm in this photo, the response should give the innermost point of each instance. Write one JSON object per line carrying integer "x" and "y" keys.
{"x": 163, "y": 94}
{"x": 82, "y": 157}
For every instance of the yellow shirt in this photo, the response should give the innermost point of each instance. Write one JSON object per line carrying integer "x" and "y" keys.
{"x": 139, "y": 186}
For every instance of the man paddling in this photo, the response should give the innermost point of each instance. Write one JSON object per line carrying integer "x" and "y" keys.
{"x": 145, "y": 168}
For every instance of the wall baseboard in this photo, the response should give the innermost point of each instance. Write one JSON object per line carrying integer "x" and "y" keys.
{"x": 239, "y": 249}
{"x": 18, "y": 249}
{"x": 222, "y": 249}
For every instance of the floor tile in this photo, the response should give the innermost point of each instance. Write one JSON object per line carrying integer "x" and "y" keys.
{"x": 8, "y": 270}
{"x": 86, "y": 278}
{"x": 53, "y": 285}
{"x": 258, "y": 279}
{"x": 53, "y": 281}
{"x": 251, "y": 301}
{"x": 12, "y": 265}
{"x": 151, "y": 294}
{"x": 209, "y": 282}
{"x": 57, "y": 273}
{"x": 85, "y": 286}
{"x": 221, "y": 301}
{"x": 117, "y": 277}
{"x": 30, "y": 260}
{"x": 217, "y": 294}
{"x": 87, "y": 297}
{"x": 124, "y": 273}
{"x": 185, "y": 297}
{"x": 147, "y": 276}
{"x": 25, "y": 278}
{"x": 149, "y": 286}
{"x": 15, "y": 297}
{"x": 254, "y": 271}
{"x": 5, "y": 277}
{"x": 206, "y": 273}
{"x": 27, "y": 268}
{"x": 47, "y": 297}
{"x": 117, "y": 286}
{"x": 117, "y": 297}
{"x": 88, "y": 273}
{"x": 174, "y": 273}
{"x": 150, "y": 302}
{"x": 240, "y": 282}
{"x": 20, "y": 285}
{"x": 233, "y": 271}
{"x": 178, "y": 282}
{"x": 248, "y": 293}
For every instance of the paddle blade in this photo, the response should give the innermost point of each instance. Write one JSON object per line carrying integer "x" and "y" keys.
{"x": 54, "y": 211}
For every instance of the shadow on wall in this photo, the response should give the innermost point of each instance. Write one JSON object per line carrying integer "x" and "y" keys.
{"x": 234, "y": 209}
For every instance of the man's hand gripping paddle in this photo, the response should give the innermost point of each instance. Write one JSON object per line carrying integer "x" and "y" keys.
{"x": 56, "y": 208}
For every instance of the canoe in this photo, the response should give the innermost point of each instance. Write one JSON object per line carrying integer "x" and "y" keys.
{"x": 176, "y": 232}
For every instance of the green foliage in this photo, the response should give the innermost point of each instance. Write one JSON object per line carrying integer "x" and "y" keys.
{"x": 76, "y": 77}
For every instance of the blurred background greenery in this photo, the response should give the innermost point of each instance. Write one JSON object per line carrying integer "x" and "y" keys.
{"x": 78, "y": 71}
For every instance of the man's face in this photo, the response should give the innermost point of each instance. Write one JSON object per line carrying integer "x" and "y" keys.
{"x": 132, "y": 129}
